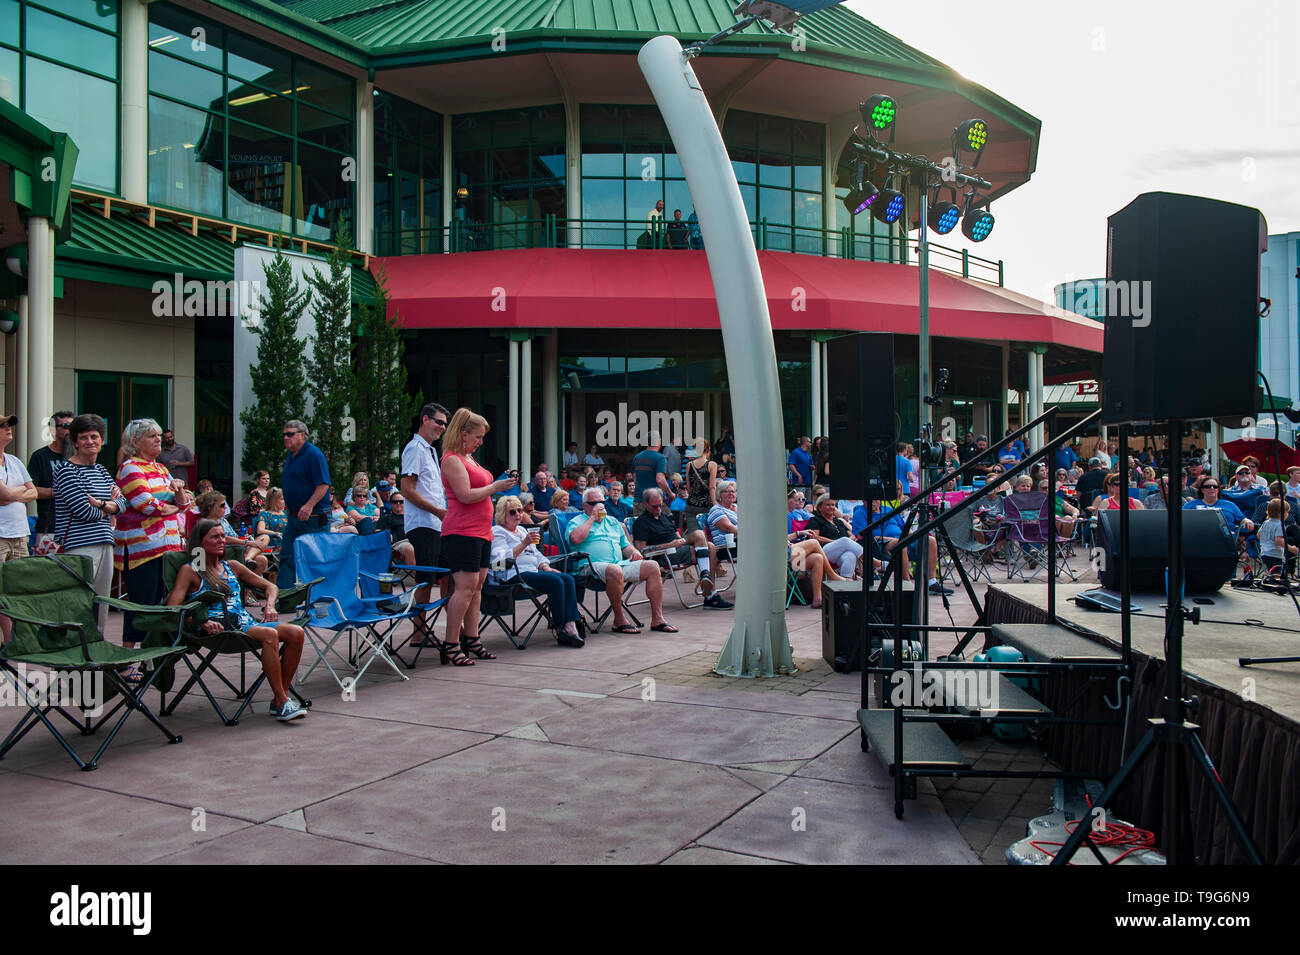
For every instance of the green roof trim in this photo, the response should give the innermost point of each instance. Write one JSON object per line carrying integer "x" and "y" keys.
{"x": 41, "y": 164}
{"x": 126, "y": 251}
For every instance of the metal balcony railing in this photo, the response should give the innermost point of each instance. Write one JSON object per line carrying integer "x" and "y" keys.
{"x": 555, "y": 232}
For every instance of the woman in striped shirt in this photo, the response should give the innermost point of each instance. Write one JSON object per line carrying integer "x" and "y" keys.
{"x": 85, "y": 501}
{"x": 149, "y": 526}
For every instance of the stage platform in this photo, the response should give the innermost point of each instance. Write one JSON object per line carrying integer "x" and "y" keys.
{"x": 1249, "y": 716}
{"x": 1211, "y": 648}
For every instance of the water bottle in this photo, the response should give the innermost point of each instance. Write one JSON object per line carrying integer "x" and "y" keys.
{"x": 243, "y": 529}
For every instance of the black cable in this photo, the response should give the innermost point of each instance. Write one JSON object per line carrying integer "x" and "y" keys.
{"x": 1277, "y": 431}
{"x": 1248, "y": 622}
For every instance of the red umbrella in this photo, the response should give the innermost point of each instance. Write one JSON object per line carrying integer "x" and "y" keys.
{"x": 1263, "y": 449}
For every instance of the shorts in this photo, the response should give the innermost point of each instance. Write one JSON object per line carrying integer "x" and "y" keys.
{"x": 12, "y": 548}
{"x": 427, "y": 544}
{"x": 631, "y": 569}
{"x": 465, "y": 555}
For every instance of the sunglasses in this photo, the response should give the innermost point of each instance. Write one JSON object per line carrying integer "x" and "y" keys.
{"x": 1209, "y": 487}
{"x": 515, "y": 510}
{"x": 396, "y": 500}
{"x": 290, "y": 434}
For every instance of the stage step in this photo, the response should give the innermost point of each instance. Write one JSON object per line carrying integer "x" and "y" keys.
{"x": 925, "y": 745}
{"x": 1045, "y": 643}
{"x": 1012, "y": 700}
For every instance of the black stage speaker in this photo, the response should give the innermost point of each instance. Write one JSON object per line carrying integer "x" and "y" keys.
{"x": 1182, "y": 294}
{"x": 842, "y": 621}
{"x": 860, "y": 386}
{"x": 1209, "y": 550}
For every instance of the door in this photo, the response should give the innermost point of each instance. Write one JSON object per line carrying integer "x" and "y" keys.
{"x": 119, "y": 399}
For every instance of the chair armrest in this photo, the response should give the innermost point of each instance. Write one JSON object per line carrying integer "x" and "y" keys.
{"x": 434, "y": 570}
{"x": 51, "y": 625}
{"x": 155, "y": 618}
{"x": 293, "y": 597}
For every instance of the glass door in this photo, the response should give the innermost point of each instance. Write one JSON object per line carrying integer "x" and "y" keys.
{"x": 118, "y": 399}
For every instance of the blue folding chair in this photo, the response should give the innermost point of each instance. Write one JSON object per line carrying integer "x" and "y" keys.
{"x": 336, "y": 608}
{"x": 578, "y": 565}
{"x": 379, "y": 575}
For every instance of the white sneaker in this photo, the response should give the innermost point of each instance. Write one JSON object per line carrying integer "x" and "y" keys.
{"x": 290, "y": 711}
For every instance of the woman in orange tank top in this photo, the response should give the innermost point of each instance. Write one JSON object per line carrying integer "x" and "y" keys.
{"x": 466, "y": 543}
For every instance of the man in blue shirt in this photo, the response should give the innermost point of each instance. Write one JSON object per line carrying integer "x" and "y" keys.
{"x": 902, "y": 469}
{"x": 1065, "y": 457}
{"x": 799, "y": 464}
{"x": 540, "y": 490}
{"x": 651, "y": 469}
{"x": 306, "y": 482}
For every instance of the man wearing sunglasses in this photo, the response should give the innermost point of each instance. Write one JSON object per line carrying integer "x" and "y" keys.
{"x": 306, "y": 483}
{"x": 41, "y": 467}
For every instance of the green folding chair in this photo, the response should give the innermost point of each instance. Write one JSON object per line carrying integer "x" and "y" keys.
{"x": 208, "y": 647}
{"x": 54, "y": 609}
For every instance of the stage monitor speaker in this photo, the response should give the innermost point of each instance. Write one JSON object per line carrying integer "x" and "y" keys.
{"x": 862, "y": 432}
{"x": 842, "y": 621}
{"x": 1209, "y": 550}
{"x": 1182, "y": 284}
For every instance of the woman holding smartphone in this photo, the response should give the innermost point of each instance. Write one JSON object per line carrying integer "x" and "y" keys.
{"x": 513, "y": 540}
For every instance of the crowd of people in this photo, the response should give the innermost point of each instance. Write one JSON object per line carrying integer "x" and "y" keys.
{"x": 442, "y": 508}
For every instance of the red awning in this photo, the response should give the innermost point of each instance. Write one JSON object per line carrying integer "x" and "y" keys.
{"x": 597, "y": 288}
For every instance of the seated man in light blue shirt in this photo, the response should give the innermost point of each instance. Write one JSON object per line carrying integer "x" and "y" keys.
{"x": 601, "y": 537}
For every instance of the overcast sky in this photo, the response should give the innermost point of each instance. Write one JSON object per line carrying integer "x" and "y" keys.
{"x": 1138, "y": 96}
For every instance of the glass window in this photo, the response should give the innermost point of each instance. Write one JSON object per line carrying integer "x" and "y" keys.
{"x": 600, "y": 159}
{"x": 774, "y": 170}
{"x": 9, "y": 22}
{"x": 808, "y": 176}
{"x": 256, "y": 62}
{"x": 326, "y": 129}
{"x": 250, "y": 105}
{"x": 184, "y": 81}
{"x": 186, "y": 157}
{"x": 260, "y": 177}
{"x": 774, "y": 206}
{"x": 64, "y": 40}
{"x": 9, "y": 76}
{"x": 86, "y": 109}
{"x": 100, "y": 13}
{"x": 180, "y": 33}
{"x": 324, "y": 88}
{"x": 325, "y": 198}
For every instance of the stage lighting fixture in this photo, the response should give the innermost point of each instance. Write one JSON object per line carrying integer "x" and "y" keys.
{"x": 943, "y": 216}
{"x": 888, "y": 207}
{"x": 976, "y": 224}
{"x": 858, "y": 199}
{"x": 879, "y": 113}
{"x": 971, "y": 136}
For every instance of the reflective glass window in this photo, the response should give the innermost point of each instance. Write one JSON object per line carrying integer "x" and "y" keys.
{"x": 186, "y": 157}
{"x": 83, "y": 106}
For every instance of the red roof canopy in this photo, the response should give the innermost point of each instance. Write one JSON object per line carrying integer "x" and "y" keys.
{"x": 597, "y": 288}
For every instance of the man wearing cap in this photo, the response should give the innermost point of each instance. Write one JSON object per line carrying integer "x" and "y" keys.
{"x": 1193, "y": 469}
{"x": 426, "y": 506}
{"x": 1092, "y": 482}
{"x": 16, "y": 491}
{"x": 1243, "y": 480}
{"x": 383, "y": 493}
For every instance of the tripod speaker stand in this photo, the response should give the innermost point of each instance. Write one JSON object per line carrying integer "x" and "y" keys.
{"x": 1172, "y": 735}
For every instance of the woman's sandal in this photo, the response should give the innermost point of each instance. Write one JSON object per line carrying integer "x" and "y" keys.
{"x": 450, "y": 652}
{"x": 475, "y": 648}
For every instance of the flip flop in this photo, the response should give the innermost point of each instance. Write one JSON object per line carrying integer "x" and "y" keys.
{"x": 625, "y": 628}
{"x": 664, "y": 628}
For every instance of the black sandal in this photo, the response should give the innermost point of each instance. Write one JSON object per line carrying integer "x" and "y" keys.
{"x": 450, "y": 652}
{"x": 475, "y": 647}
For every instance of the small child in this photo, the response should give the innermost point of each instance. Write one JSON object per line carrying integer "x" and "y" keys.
{"x": 1273, "y": 547}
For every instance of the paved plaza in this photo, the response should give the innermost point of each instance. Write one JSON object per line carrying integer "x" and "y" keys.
{"x": 627, "y": 750}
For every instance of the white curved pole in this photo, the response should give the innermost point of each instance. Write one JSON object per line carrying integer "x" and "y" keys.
{"x": 759, "y": 644}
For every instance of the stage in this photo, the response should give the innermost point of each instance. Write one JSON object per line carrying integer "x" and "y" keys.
{"x": 1250, "y": 717}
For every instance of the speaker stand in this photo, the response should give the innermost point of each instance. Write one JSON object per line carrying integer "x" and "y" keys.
{"x": 1172, "y": 735}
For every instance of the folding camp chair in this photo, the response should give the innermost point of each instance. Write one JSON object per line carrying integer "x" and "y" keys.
{"x": 499, "y": 600}
{"x": 971, "y": 553}
{"x": 208, "y": 647}
{"x": 53, "y": 606}
{"x": 664, "y": 556}
{"x": 1026, "y": 523}
{"x": 578, "y": 565}
{"x": 379, "y": 575}
{"x": 726, "y": 556}
{"x": 337, "y": 610}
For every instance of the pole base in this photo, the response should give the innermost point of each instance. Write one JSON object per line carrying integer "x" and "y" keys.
{"x": 757, "y": 648}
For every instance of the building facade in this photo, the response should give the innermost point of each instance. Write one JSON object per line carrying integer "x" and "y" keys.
{"x": 502, "y": 164}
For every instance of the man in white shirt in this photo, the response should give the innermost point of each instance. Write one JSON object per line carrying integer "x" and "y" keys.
{"x": 16, "y": 491}
{"x": 426, "y": 505}
{"x": 1293, "y": 484}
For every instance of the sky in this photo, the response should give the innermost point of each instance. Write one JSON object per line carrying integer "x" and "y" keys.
{"x": 1140, "y": 96}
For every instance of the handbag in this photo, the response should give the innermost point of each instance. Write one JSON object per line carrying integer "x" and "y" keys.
{"x": 44, "y": 545}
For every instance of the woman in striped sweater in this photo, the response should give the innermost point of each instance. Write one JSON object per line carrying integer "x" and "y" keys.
{"x": 85, "y": 501}
{"x": 149, "y": 526}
